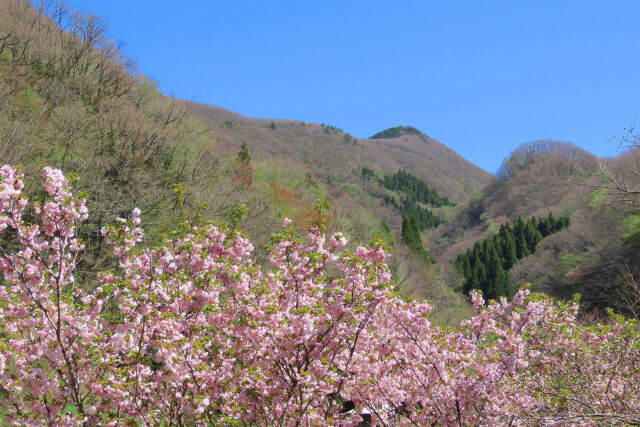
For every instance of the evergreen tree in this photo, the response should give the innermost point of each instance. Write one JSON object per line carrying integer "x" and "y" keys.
{"x": 487, "y": 244}
{"x": 486, "y": 266}
{"x": 564, "y": 222}
{"x": 411, "y": 236}
{"x": 532, "y": 236}
{"x": 544, "y": 227}
{"x": 553, "y": 224}
{"x": 483, "y": 278}
{"x": 502, "y": 284}
{"x": 509, "y": 254}
{"x": 472, "y": 283}
{"x": 243, "y": 155}
{"x": 522, "y": 249}
{"x": 367, "y": 173}
{"x": 518, "y": 226}
{"x": 466, "y": 267}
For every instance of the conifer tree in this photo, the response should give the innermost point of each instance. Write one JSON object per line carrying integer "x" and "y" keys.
{"x": 509, "y": 254}
{"x": 563, "y": 222}
{"x": 485, "y": 266}
{"x": 243, "y": 155}
{"x": 522, "y": 249}
{"x": 411, "y": 236}
{"x": 502, "y": 284}
{"x": 553, "y": 224}
{"x": 532, "y": 236}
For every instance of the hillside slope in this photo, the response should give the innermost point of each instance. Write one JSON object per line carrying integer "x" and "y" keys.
{"x": 293, "y": 161}
{"x": 71, "y": 100}
{"x": 589, "y": 257}
{"x": 333, "y": 155}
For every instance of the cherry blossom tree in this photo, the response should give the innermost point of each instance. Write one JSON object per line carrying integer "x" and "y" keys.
{"x": 51, "y": 329}
{"x": 205, "y": 332}
{"x": 525, "y": 362}
{"x": 194, "y": 332}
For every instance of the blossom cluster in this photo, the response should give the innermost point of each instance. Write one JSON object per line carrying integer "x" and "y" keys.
{"x": 195, "y": 332}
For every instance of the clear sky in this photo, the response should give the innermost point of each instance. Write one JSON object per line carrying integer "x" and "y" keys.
{"x": 480, "y": 76}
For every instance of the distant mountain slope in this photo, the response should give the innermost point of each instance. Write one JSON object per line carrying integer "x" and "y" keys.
{"x": 539, "y": 175}
{"x": 333, "y": 155}
{"x": 551, "y": 176}
{"x": 437, "y": 164}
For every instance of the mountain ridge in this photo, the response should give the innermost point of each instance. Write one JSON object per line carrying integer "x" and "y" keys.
{"x": 391, "y": 153}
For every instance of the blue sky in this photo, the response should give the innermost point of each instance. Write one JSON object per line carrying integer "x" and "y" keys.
{"x": 480, "y": 76}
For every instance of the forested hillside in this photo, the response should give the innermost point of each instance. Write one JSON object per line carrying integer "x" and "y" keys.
{"x": 485, "y": 267}
{"x": 154, "y": 269}
{"x": 594, "y": 255}
{"x": 70, "y": 99}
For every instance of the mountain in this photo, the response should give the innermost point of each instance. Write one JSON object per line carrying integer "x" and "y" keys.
{"x": 333, "y": 155}
{"x": 591, "y": 256}
{"x": 288, "y": 156}
{"x": 70, "y": 99}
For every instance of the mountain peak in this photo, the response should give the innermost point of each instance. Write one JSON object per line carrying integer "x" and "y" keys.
{"x": 396, "y": 132}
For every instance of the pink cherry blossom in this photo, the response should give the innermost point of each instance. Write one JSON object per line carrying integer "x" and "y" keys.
{"x": 195, "y": 332}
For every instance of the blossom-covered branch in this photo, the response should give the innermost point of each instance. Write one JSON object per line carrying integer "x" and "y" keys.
{"x": 193, "y": 331}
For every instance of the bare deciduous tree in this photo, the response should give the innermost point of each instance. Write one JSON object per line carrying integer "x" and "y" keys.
{"x": 629, "y": 293}
{"x": 623, "y": 179}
